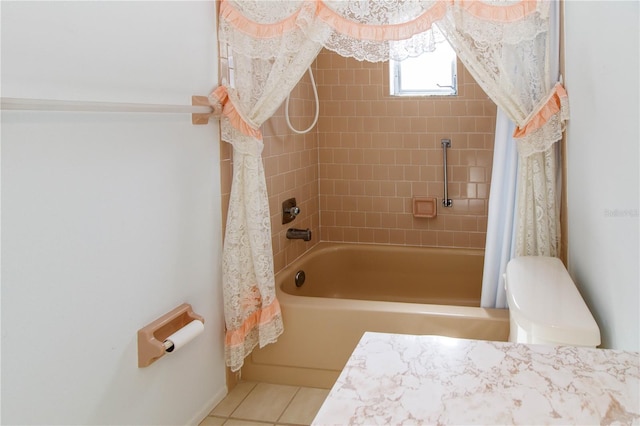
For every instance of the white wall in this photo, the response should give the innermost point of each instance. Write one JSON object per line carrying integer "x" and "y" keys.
{"x": 603, "y": 142}
{"x": 108, "y": 220}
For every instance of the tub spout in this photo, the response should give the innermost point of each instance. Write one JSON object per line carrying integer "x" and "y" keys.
{"x": 299, "y": 234}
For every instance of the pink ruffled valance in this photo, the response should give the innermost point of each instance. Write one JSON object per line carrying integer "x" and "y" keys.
{"x": 499, "y": 13}
{"x": 256, "y": 29}
{"x": 383, "y": 31}
{"x": 380, "y": 32}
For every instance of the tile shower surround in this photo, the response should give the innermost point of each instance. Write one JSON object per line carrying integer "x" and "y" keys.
{"x": 355, "y": 177}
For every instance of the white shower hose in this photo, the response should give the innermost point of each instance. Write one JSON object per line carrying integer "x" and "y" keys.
{"x": 315, "y": 120}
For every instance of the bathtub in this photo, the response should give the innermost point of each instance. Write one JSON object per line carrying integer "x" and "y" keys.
{"x": 352, "y": 288}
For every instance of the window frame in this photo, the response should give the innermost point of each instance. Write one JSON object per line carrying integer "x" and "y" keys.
{"x": 395, "y": 80}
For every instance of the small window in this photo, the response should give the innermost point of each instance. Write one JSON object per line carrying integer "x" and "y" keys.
{"x": 430, "y": 74}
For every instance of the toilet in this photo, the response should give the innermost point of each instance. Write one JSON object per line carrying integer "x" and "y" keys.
{"x": 545, "y": 306}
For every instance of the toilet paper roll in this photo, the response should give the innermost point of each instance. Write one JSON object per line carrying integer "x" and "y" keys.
{"x": 183, "y": 336}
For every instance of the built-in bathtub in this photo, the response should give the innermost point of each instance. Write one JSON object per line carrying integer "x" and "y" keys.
{"x": 353, "y": 288}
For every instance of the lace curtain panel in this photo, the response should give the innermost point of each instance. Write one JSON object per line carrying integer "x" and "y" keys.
{"x": 503, "y": 44}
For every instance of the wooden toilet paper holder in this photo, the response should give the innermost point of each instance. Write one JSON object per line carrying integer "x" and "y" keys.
{"x": 152, "y": 336}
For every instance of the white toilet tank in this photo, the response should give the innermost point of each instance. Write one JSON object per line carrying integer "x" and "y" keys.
{"x": 545, "y": 305}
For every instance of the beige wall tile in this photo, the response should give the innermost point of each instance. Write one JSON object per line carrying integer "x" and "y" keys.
{"x": 405, "y": 158}
{"x": 355, "y": 174}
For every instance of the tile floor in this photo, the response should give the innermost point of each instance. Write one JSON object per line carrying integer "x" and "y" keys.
{"x": 253, "y": 404}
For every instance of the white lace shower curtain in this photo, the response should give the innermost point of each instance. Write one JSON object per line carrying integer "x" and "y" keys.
{"x": 531, "y": 184}
{"x": 503, "y": 44}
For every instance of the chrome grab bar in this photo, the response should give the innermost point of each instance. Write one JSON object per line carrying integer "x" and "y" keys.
{"x": 446, "y": 201}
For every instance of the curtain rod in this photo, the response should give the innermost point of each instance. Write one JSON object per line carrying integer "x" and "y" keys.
{"x": 199, "y": 108}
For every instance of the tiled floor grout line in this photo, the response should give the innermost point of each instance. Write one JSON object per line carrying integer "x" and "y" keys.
{"x": 299, "y": 398}
{"x": 260, "y": 420}
{"x": 288, "y": 404}
{"x": 277, "y": 421}
{"x": 240, "y": 403}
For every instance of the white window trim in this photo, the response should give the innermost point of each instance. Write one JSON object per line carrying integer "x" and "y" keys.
{"x": 395, "y": 81}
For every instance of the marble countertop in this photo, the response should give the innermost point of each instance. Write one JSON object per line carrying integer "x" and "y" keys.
{"x": 395, "y": 379}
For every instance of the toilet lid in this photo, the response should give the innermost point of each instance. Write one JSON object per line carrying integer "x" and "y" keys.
{"x": 545, "y": 302}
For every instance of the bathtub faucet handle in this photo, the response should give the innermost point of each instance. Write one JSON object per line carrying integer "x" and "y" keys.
{"x": 293, "y": 211}
{"x": 289, "y": 210}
